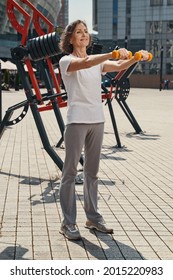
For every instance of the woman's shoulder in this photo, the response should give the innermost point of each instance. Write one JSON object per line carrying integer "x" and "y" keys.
{"x": 66, "y": 57}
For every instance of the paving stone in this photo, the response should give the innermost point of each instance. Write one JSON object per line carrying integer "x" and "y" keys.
{"x": 135, "y": 187}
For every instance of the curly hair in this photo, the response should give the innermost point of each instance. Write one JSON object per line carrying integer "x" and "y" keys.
{"x": 65, "y": 45}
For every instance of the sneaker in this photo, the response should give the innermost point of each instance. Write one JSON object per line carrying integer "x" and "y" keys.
{"x": 100, "y": 226}
{"x": 79, "y": 179}
{"x": 70, "y": 232}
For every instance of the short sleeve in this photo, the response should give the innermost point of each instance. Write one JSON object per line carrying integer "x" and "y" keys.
{"x": 64, "y": 63}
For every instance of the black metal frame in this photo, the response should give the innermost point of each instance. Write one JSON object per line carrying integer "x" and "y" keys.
{"x": 121, "y": 85}
{"x": 121, "y": 95}
{"x": 0, "y": 94}
{"x": 33, "y": 103}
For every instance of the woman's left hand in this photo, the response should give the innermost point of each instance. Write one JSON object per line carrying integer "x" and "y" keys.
{"x": 145, "y": 55}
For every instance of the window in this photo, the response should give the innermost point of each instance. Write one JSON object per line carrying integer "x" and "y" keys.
{"x": 156, "y": 2}
{"x": 156, "y": 27}
{"x": 170, "y": 27}
{"x": 155, "y": 47}
{"x": 169, "y": 48}
{"x": 169, "y": 68}
{"x": 128, "y": 7}
{"x": 169, "y": 2}
{"x": 154, "y": 68}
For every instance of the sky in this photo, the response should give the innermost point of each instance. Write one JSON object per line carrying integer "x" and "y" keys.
{"x": 79, "y": 9}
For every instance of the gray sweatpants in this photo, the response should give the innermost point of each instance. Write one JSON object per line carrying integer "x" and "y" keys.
{"x": 77, "y": 136}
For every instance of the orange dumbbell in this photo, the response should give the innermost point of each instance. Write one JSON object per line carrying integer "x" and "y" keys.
{"x": 138, "y": 56}
{"x": 116, "y": 54}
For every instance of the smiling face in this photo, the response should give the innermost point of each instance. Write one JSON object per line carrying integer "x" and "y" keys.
{"x": 80, "y": 37}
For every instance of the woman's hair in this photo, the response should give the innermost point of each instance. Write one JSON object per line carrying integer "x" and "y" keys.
{"x": 65, "y": 44}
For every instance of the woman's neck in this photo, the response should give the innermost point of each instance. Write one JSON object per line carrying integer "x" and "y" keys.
{"x": 79, "y": 53}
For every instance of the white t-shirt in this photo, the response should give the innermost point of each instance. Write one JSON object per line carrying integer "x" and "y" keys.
{"x": 84, "y": 92}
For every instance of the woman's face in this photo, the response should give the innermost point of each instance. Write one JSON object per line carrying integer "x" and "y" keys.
{"x": 80, "y": 36}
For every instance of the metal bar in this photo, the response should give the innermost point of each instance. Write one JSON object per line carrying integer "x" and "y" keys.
{"x": 0, "y": 94}
{"x": 11, "y": 4}
{"x": 33, "y": 80}
{"x": 118, "y": 78}
{"x": 108, "y": 96}
{"x": 4, "y": 122}
{"x": 36, "y": 15}
{"x": 114, "y": 123}
{"x": 161, "y": 68}
{"x": 50, "y": 90}
{"x": 37, "y": 117}
{"x": 129, "y": 115}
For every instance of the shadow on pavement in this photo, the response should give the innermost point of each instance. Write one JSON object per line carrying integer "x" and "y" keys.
{"x": 109, "y": 248}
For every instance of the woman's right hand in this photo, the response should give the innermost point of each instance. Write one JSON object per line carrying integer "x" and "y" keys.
{"x": 122, "y": 53}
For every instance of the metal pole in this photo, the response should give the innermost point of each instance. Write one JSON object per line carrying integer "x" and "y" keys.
{"x": 161, "y": 68}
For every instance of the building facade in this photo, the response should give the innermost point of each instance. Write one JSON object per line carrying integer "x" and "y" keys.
{"x": 63, "y": 14}
{"x": 135, "y": 24}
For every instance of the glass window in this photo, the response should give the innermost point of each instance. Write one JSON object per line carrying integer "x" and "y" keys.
{"x": 155, "y": 47}
{"x": 154, "y": 68}
{"x": 128, "y": 7}
{"x": 156, "y": 2}
{"x": 170, "y": 27}
{"x": 169, "y": 68}
{"x": 169, "y": 48}
{"x": 169, "y": 2}
{"x": 115, "y": 7}
{"x": 156, "y": 27}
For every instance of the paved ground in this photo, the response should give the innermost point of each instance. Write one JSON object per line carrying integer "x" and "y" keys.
{"x": 135, "y": 187}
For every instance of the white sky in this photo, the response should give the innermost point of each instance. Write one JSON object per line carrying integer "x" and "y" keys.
{"x": 81, "y": 9}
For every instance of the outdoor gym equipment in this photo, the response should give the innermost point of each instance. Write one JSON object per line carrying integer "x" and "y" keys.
{"x": 44, "y": 52}
{"x": 39, "y": 49}
{"x": 120, "y": 89}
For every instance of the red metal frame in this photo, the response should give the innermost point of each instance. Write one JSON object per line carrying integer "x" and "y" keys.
{"x": 11, "y": 6}
{"x": 23, "y": 30}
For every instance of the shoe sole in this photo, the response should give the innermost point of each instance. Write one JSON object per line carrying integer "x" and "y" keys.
{"x": 69, "y": 238}
{"x": 95, "y": 228}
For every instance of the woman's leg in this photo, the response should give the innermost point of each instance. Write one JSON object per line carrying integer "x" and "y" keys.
{"x": 93, "y": 145}
{"x": 74, "y": 137}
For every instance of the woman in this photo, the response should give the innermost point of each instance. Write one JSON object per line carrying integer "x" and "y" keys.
{"x": 81, "y": 74}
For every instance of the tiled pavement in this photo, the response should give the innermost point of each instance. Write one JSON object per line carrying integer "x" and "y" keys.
{"x": 135, "y": 187}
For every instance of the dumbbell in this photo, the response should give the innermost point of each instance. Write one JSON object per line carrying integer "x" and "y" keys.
{"x": 116, "y": 54}
{"x": 138, "y": 56}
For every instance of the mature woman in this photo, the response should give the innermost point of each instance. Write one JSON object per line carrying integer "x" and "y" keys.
{"x": 81, "y": 74}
